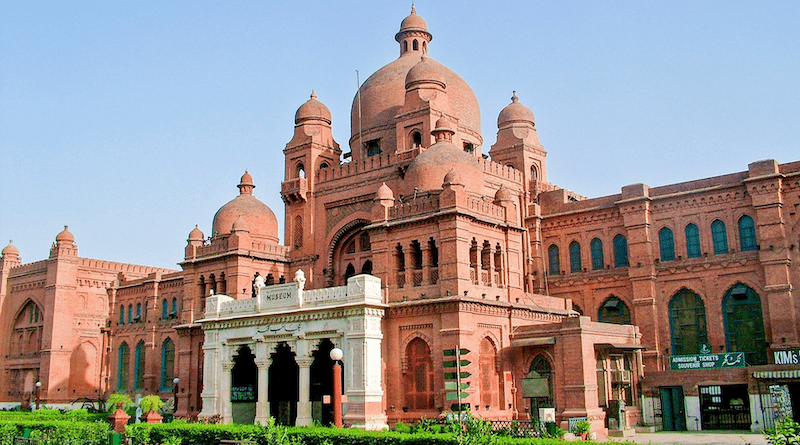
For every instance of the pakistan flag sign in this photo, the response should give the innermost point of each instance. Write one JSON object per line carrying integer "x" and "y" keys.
{"x": 706, "y": 361}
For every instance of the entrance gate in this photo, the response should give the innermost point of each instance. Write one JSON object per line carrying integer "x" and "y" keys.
{"x": 724, "y": 407}
{"x": 673, "y": 411}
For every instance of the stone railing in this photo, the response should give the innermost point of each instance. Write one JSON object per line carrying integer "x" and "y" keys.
{"x": 360, "y": 289}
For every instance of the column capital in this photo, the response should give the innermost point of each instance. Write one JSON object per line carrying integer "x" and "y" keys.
{"x": 304, "y": 362}
{"x": 227, "y": 366}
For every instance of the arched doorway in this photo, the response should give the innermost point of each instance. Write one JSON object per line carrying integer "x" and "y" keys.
{"x": 744, "y": 324}
{"x": 322, "y": 382}
{"x": 244, "y": 386}
{"x": 538, "y": 386}
{"x": 283, "y": 385}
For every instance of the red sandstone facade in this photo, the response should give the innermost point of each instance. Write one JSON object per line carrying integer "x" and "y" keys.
{"x": 473, "y": 253}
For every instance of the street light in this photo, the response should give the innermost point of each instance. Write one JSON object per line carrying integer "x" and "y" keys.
{"x": 175, "y": 382}
{"x": 336, "y": 397}
{"x": 38, "y": 387}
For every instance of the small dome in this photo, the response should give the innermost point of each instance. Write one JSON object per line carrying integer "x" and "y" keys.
{"x": 503, "y": 194}
{"x": 426, "y": 71}
{"x": 65, "y": 236}
{"x": 515, "y": 112}
{"x": 413, "y": 23}
{"x": 259, "y": 218}
{"x": 384, "y": 192}
{"x": 10, "y": 250}
{"x": 196, "y": 234}
{"x": 444, "y": 124}
{"x": 239, "y": 225}
{"x": 452, "y": 177}
{"x": 312, "y": 110}
{"x": 429, "y": 170}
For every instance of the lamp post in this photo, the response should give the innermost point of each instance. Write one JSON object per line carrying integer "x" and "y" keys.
{"x": 336, "y": 397}
{"x": 38, "y": 388}
{"x": 175, "y": 382}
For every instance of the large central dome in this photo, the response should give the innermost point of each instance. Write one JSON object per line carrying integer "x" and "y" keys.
{"x": 383, "y": 93}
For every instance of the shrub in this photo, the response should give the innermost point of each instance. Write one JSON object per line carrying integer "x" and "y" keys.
{"x": 57, "y": 432}
{"x": 117, "y": 398}
{"x": 786, "y": 432}
{"x": 150, "y": 403}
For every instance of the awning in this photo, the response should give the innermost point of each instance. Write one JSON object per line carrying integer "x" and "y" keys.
{"x": 621, "y": 345}
{"x": 787, "y": 374}
{"x": 536, "y": 341}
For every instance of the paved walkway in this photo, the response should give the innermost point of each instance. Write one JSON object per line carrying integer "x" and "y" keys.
{"x": 695, "y": 438}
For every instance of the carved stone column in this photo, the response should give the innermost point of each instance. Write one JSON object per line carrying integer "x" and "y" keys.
{"x": 225, "y": 392}
{"x": 262, "y": 406}
{"x": 304, "y": 398}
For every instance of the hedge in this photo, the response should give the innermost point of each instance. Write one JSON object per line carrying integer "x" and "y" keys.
{"x": 56, "y": 432}
{"x": 52, "y": 414}
{"x": 204, "y": 434}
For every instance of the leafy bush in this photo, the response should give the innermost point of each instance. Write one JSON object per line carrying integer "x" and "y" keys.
{"x": 150, "y": 403}
{"x": 57, "y": 432}
{"x": 117, "y": 398}
{"x": 786, "y": 432}
{"x": 52, "y": 414}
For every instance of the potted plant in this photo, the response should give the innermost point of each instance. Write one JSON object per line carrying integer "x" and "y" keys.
{"x": 582, "y": 428}
{"x": 150, "y": 406}
{"x": 118, "y": 417}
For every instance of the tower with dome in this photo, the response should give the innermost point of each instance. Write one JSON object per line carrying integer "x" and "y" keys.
{"x": 415, "y": 245}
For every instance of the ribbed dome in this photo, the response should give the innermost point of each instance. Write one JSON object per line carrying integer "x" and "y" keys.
{"x": 413, "y": 23}
{"x": 196, "y": 234}
{"x": 425, "y": 71}
{"x": 503, "y": 194}
{"x": 10, "y": 250}
{"x": 515, "y": 112}
{"x": 259, "y": 218}
{"x": 65, "y": 236}
{"x": 312, "y": 110}
{"x": 383, "y": 94}
{"x": 428, "y": 170}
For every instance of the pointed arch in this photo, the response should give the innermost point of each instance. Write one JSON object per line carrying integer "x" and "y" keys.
{"x": 666, "y": 244}
{"x": 167, "y": 364}
{"x": 553, "y": 260}
{"x": 687, "y": 322}
{"x": 744, "y": 324}
{"x": 614, "y": 310}
{"x": 418, "y": 378}
{"x": 574, "y": 257}
{"x": 719, "y": 237}
{"x": 138, "y": 367}
{"x": 490, "y": 378}
{"x": 597, "y": 254}
{"x": 123, "y": 363}
{"x": 693, "y": 249}
{"x": 620, "y": 251}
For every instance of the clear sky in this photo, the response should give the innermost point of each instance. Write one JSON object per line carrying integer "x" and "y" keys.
{"x": 133, "y": 121}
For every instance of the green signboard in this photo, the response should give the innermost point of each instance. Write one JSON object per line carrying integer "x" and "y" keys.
{"x": 706, "y": 361}
{"x": 243, "y": 394}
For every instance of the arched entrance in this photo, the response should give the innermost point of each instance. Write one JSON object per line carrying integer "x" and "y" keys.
{"x": 243, "y": 387}
{"x": 283, "y": 385}
{"x": 322, "y": 382}
{"x": 538, "y": 386}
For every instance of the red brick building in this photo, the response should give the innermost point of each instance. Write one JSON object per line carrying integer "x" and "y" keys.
{"x": 475, "y": 251}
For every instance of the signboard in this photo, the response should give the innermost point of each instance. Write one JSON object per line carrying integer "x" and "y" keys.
{"x": 535, "y": 387}
{"x": 243, "y": 394}
{"x": 706, "y": 361}
{"x": 789, "y": 357}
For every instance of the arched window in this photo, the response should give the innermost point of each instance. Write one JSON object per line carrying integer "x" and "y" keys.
{"x": 405, "y": 46}
{"x": 744, "y": 324}
{"x": 167, "y": 364}
{"x": 687, "y": 322}
{"x": 542, "y": 371}
{"x": 469, "y": 147}
{"x": 720, "y": 237}
{"x": 301, "y": 170}
{"x": 415, "y": 45}
{"x": 349, "y": 272}
{"x": 614, "y": 311}
{"x": 416, "y": 139}
{"x": 692, "y": 241}
{"x": 597, "y": 254}
{"x": 122, "y": 314}
{"x": 130, "y": 313}
{"x": 366, "y": 268}
{"x": 418, "y": 381}
{"x": 534, "y": 173}
{"x": 490, "y": 378}
{"x": 373, "y": 147}
{"x": 620, "y": 251}
{"x": 298, "y": 231}
{"x": 574, "y": 257}
{"x": 123, "y": 362}
{"x": 164, "y": 309}
{"x": 138, "y": 312}
{"x": 747, "y": 234}
{"x": 552, "y": 255}
{"x": 666, "y": 242}
{"x": 138, "y": 367}
{"x": 174, "y": 312}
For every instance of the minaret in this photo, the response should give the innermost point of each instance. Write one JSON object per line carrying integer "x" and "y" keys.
{"x": 413, "y": 36}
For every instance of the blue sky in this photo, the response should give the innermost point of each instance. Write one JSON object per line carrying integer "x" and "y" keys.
{"x": 133, "y": 121}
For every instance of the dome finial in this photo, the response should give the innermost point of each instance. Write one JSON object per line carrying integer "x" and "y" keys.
{"x": 514, "y": 97}
{"x": 246, "y": 185}
{"x": 313, "y": 94}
